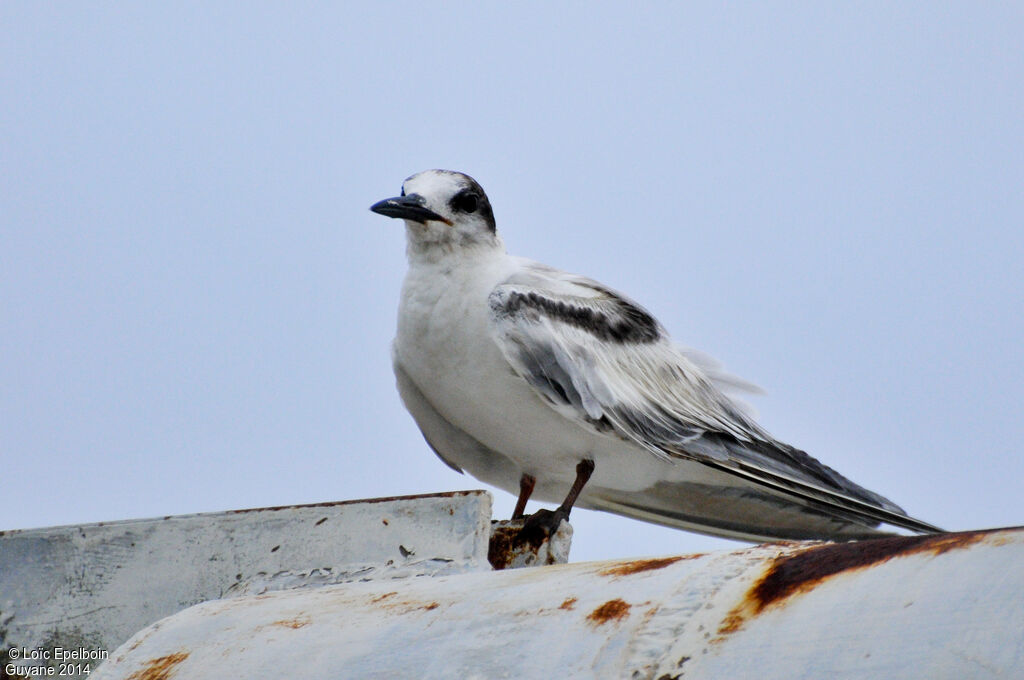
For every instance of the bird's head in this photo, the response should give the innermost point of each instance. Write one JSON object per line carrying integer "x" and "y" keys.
{"x": 442, "y": 208}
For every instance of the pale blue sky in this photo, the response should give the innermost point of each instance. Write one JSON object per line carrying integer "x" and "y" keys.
{"x": 196, "y": 305}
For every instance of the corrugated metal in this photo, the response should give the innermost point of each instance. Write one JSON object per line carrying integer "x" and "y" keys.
{"x": 92, "y": 586}
{"x": 943, "y": 606}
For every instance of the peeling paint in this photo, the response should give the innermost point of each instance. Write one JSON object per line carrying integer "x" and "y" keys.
{"x": 80, "y": 585}
{"x": 576, "y": 621}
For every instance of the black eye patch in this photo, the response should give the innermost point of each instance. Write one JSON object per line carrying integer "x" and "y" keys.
{"x": 465, "y": 201}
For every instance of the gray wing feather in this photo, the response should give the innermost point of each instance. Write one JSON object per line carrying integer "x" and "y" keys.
{"x": 604, "y": 362}
{"x": 729, "y": 511}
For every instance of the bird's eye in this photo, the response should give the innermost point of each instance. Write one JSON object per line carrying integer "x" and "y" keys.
{"x": 465, "y": 201}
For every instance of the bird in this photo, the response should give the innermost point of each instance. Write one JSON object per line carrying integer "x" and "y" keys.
{"x": 555, "y": 387}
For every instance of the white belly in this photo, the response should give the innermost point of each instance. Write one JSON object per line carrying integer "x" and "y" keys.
{"x": 445, "y": 347}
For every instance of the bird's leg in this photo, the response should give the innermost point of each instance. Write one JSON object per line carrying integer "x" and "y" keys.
{"x": 544, "y": 523}
{"x": 584, "y": 469}
{"x": 526, "y": 483}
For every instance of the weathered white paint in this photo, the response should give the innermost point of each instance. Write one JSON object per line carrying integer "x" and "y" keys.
{"x": 949, "y": 606}
{"x": 95, "y": 585}
{"x": 509, "y": 553}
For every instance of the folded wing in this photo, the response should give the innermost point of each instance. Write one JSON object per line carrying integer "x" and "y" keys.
{"x": 605, "y": 363}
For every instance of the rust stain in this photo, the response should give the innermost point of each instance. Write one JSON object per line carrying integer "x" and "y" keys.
{"x": 294, "y": 624}
{"x": 404, "y": 606}
{"x": 650, "y": 613}
{"x": 500, "y": 549}
{"x": 385, "y": 499}
{"x": 443, "y": 494}
{"x": 568, "y": 603}
{"x": 135, "y": 645}
{"x": 637, "y": 566}
{"x": 734, "y": 620}
{"x": 160, "y": 668}
{"x": 1001, "y": 540}
{"x": 510, "y": 541}
{"x": 801, "y": 572}
{"x": 611, "y": 610}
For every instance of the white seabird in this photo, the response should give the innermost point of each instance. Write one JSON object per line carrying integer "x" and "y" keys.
{"x": 549, "y": 384}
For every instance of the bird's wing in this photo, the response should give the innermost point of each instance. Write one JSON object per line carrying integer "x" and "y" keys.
{"x": 605, "y": 363}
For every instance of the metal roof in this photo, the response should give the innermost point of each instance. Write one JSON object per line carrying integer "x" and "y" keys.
{"x": 939, "y": 606}
{"x": 94, "y": 585}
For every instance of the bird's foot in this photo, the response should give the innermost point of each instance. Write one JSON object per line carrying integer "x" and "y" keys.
{"x": 541, "y": 526}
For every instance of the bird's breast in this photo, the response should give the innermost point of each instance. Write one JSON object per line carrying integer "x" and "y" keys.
{"x": 444, "y": 344}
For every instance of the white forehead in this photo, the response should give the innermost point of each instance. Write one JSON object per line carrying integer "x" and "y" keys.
{"x": 434, "y": 183}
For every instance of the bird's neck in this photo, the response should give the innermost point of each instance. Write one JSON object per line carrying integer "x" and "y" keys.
{"x": 454, "y": 250}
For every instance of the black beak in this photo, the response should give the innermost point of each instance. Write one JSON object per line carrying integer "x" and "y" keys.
{"x": 412, "y": 207}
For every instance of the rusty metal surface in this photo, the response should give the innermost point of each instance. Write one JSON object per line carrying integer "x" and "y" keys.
{"x": 510, "y": 550}
{"x": 948, "y": 606}
{"x": 92, "y": 586}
